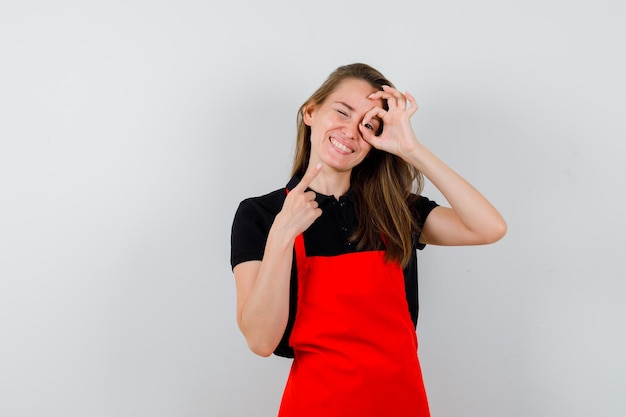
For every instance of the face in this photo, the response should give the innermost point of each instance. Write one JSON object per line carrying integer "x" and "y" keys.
{"x": 336, "y": 140}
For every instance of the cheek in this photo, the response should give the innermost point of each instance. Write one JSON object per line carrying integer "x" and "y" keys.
{"x": 365, "y": 146}
{"x": 324, "y": 124}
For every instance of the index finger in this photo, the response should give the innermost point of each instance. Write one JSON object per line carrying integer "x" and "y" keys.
{"x": 309, "y": 176}
{"x": 395, "y": 99}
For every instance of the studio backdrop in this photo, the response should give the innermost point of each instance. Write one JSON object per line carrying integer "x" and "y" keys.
{"x": 131, "y": 130}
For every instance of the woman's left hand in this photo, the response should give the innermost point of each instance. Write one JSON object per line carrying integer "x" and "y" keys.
{"x": 397, "y": 136}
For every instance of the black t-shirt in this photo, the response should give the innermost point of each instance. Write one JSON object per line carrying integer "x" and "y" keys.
{"x": 327, "y": 236}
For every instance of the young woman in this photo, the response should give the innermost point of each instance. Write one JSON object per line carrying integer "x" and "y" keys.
{"x": 325, "y": 268}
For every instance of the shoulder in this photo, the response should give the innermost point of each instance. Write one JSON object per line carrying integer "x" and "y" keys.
{"x": 258, "y": 212}
{"x": 251, "y": 225}
{"x": 268, "y": 204}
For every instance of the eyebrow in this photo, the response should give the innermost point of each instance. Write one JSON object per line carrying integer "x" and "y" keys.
{"x": 347, "y": 105}
{"x": 352, "y": 109}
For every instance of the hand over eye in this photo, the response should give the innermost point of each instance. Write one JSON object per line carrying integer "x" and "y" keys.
{"x": 397, "y": 135}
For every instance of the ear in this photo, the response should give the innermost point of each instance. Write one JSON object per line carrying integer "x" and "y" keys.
{"x": 307, "y": 114}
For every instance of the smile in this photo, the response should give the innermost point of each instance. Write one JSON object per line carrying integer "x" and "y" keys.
{"x": 341, "y": 147}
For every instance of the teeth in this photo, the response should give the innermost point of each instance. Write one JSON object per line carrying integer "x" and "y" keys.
{"x": 340, "y": 146}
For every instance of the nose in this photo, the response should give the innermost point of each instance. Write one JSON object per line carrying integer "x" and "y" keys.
{"x": 351, "y": 130}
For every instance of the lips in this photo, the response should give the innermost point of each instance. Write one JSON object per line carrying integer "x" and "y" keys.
{"x": 341, "y": 147}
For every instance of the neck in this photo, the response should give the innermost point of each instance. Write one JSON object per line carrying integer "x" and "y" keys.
{"x": 330, "y": 182}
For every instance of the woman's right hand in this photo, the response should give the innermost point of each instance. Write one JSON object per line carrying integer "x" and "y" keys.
{"x": 300, "y": 209}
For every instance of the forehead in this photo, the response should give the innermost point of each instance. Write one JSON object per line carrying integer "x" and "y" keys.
{"x": 354, "y": 93}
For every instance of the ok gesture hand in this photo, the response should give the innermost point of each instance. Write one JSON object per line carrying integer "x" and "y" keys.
{"x": 397, "y": 136}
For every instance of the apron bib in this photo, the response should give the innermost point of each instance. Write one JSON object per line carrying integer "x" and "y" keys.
{"x": 354, "y": 342}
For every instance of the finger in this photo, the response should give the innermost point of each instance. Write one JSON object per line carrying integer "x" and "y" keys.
{"x": 309, "y": 176}
{"x": 393, "y": 100}
{"x": 366, "y": 133}
{"x": 369, "y": 137}
{"x": 383, "y": 95}
{"x": 412, "y": 104}
{"x": 400, "y": 99}
{"x": 374, "y": 112}
{"x": 310, "y": 197}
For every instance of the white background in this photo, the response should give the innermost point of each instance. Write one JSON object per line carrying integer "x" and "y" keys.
{"x": 130, "y": 130}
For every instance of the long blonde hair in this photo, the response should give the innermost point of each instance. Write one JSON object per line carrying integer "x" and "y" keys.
{"x": 384, "y": 185}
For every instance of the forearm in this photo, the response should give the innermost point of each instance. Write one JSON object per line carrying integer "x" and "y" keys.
{"x": 473, "y": 210}
{"x": 471, "y": 219}
{"x": 263, "y": 288}
{"x": 264, "y": 315}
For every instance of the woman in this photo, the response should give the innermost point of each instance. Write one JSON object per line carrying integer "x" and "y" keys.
{"x": 325, "y": 268}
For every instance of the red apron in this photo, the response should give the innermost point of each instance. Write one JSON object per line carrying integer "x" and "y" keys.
{"x": 354, "y": 342}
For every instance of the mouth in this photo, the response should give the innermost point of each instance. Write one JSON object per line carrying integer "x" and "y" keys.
{"x": 341, "y": 147}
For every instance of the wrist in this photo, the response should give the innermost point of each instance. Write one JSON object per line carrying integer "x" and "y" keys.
{"x": 414, "y": 153}
{"x": 280, "y": 235}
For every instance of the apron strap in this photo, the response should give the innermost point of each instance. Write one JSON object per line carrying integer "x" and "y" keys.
{"x": 300, "y": 251}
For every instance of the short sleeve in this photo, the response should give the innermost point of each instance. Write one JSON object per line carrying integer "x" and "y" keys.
{"x": 251, "y": 225}
{"x": 248, "y": 235}
{"x": 421, "y": 207}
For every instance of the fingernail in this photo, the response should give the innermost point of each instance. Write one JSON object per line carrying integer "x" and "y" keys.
{"x": 319, "y": 165}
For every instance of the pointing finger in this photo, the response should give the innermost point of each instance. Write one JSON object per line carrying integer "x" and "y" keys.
{"x": 309, "y": 176}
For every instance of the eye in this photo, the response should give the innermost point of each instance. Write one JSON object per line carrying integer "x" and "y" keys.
{"x": 343, "y": 113}
{"x": 373, "y": 125}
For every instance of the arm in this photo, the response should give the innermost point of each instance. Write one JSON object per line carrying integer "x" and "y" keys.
{"x": 263, "y": 286}
{"x": 471, "y": 218}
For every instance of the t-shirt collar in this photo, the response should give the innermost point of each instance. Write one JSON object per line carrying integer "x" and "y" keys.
{"x": 319, "y": 197}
